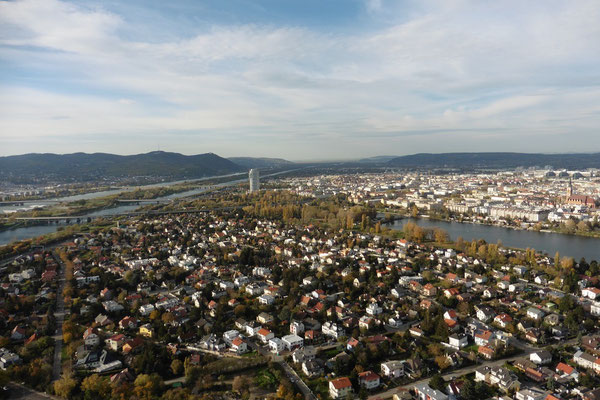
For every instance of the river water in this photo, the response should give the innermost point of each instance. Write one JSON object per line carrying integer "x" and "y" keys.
{"x": 566, "y": 245}
{"x": 27, "y": 232}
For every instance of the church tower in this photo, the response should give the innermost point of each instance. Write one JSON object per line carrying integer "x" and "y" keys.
{"x": 570, "y": 189}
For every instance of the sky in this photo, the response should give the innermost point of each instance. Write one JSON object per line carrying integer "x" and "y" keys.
{"x": 301, "y": 80}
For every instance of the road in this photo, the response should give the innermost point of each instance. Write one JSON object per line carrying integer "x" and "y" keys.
{"x": 20, "y": 392}
{"x": 289, "y": 371}
{"x": 59, "y": 315}
{"x": 293, "y": 376}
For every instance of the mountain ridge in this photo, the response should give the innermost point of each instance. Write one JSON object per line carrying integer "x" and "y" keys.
{"x": 93, "y": 166}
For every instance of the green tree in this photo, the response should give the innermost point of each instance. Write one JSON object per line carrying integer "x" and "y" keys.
{"x": 437, "y": 382}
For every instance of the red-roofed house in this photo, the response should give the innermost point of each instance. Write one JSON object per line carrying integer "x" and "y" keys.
{"x": 369, "y": 380}
{"x": 340, "y": 388}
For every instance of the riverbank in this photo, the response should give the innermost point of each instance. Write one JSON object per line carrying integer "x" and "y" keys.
{"x": 549, "y": 243}
{"x": 400, "y": 215}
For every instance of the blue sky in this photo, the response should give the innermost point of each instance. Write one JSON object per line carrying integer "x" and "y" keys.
{"x": 303, "y": 80}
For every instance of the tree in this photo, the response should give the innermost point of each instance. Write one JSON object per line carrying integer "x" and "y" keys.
{"x": 437, "y": 382}
{"x": 567, "y": 263}
{"x": 65, "y": 387}
{"x": 440, "y": 235}
{"x": 95, "y": 387}
{"x": 176, "y": 367}
{"x": 442, "y": 362}
{"x": 583, "y": 227}
{"x": 147, "y": 386}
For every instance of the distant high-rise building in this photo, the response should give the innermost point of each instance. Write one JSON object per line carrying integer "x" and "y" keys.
{"x": 254, "y": 178}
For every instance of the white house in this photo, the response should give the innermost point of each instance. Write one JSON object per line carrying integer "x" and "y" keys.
{"x": 457, "y": 341}
{"x": 541, "y": 357}
{"x": 266, "y": 299}
{"x": 374, "y": 309}
{"x": 292, "y": 342}
{"x": 332, "y": 329}
{"x": 146, "y": 309}
{"x": 392, "y": 369}
{"x": 276, "y": 345}
{"x": 535, "y": 313}
{"x": 424, "y": 392}
{"x": 296, "y": 327}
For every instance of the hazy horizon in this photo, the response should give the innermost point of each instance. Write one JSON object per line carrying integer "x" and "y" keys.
{"x": 311, "y": 80}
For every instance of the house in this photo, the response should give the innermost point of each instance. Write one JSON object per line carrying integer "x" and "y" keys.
{"x": 91, "y": 338}
{"x": 239, "y": 346}
{"x": 8, "y": 358}
{"x": 498, "y": 376}
{"x": 429, "y": 290}
{"x": 392, "y": 369}
{"x": 584, "y": 360}
{"x": 485, "y": 313}
{"x": 541, "y": 357}
{"x": 303, "y": 354}
{"x": 591, "y": 293}
{"x": 374, "y": 309}
{"x": 128, "y": 323}
{"x": 292, "y": 342}
{"x": 18, "y": 333}
{"x": 532, "y": 393}
{"x": 90, "y": 360}
{"x": 147, "y": 330}
{"x": 503, "y": 320}
{"x": 265, "y": 335}
{"x": 312, "y": 368}
{"x": 230, "y": 336}
{"x": 425, "y": 392}
{"x": 296, "y": 327}
{"x": 482, "y": 338}
{"x": 332, "y": 329}
{"x": 535, "y": 314}
{"x": 264, "y": 318}
{"x": 146, "y": 309}
{"x": 486, "y": 352}
{"x": 116, "y": 342}
{"x": 369, "y": 380}
{"x": 340, "y": 388}
{"x": 132, "y": 345}
{"x": 102, "y": 320}
{"x": 457, "y": 341}
{"x": 266, "y": 299}
{"x": 566, "y": 371}
{"x": 212, "y": 342}
{"x": 112, "y": 306}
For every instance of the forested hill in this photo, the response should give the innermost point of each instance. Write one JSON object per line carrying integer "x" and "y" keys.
{"x": 97, "y": 166}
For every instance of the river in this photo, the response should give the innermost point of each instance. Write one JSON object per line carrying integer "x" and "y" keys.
{"x": 566, "y": 245}
{"x": 27, "y": 232}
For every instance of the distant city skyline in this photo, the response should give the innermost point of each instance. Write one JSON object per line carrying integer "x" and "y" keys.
{"x": 309, "y": 80}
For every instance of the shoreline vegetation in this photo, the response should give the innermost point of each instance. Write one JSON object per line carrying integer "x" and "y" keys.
{"x": 569, "y": 227}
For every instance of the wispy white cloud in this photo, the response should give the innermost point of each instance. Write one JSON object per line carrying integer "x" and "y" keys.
{"x": 453, "y": 69}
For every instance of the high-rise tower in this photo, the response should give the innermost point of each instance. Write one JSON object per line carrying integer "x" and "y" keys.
{"x": 254, "y": 178}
